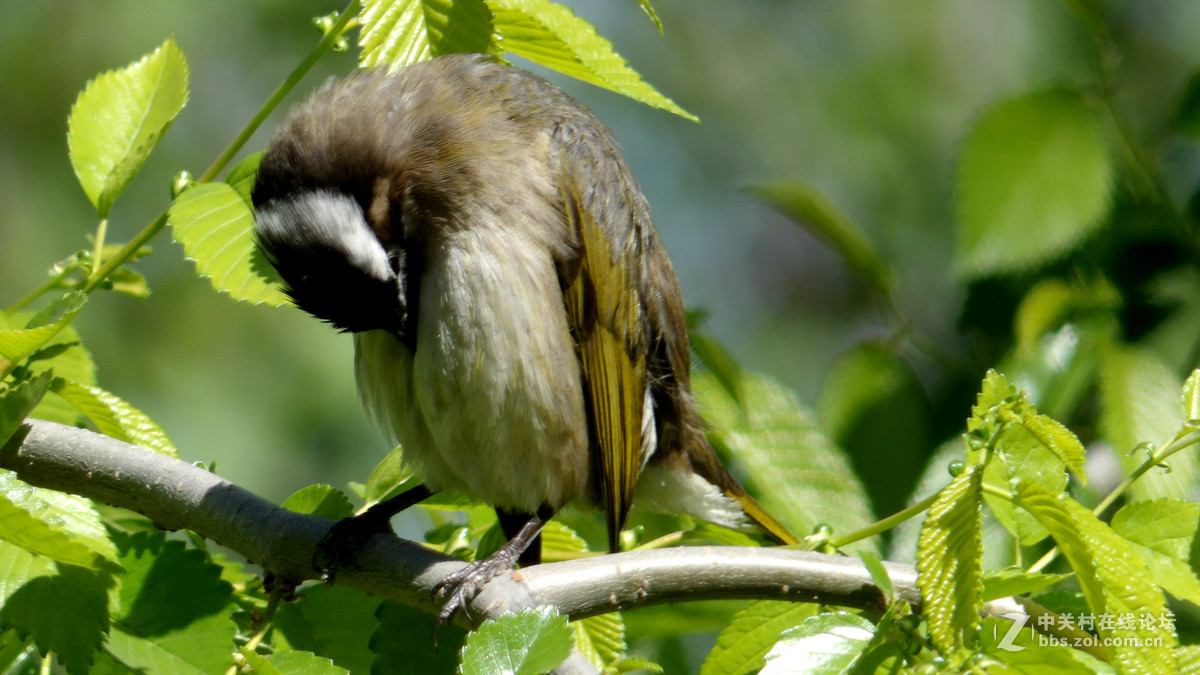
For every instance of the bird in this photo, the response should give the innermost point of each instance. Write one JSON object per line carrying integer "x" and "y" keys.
{"x": 518, "y": 327}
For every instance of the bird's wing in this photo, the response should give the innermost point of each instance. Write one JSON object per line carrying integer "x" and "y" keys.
{"x": 607, "y": 318}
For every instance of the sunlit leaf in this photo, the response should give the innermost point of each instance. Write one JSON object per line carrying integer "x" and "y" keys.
{"x": 214, "y": 224}
{"x": 398, "y": 33}
{"x": 119, "y": 118}
{"x": 949, "y": 555}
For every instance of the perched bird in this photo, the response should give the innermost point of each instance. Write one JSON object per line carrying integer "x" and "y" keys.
{"x": 517, "y": 325}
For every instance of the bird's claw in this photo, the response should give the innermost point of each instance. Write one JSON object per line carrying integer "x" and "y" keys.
{"x": 465, "y": 583}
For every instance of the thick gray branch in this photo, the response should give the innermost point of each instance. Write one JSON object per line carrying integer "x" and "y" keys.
{"x": 176, "y": 495}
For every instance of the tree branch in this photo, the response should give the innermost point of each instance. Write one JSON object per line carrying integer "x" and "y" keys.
{"x": 177, "y": 495}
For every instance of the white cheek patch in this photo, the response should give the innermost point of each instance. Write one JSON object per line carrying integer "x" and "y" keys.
{"x": 325, "y": 220}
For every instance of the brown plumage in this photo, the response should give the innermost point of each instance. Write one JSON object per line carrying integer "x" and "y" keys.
{"x": 518, "y": 326}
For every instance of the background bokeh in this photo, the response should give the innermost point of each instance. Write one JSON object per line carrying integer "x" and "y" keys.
{"x": 864, "y": 99}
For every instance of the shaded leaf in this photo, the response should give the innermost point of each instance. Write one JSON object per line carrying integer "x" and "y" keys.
{"x": 804, "y": 205}
{"x": 214, "y": 224}
{"x": 119, "y": 118}
{"x": 337, "y": 623}
{"x": 18, "y": 402}
{"x": 1034, "y": 179}
{"x": 1163, "y": 533}
{"x": 402, "y": 639}
{"x": 1016, "y": 581}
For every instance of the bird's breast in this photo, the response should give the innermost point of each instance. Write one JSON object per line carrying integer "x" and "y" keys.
{"x": 490, "y": 401}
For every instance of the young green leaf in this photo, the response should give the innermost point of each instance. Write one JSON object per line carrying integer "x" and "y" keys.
{"x": 18, "y": 343}
{"x": 1027, "y": 653}
{"x": 1016, "y": 581}
{"x": 402, "y": 32}
{"x": 241, "y": 176}
{"x": 59, "y": 526}
{"x": 798, "y": 474}
{"x": 1034, "y": 179}
{"x": 1163, "y": 532}
{"x": 1113, "y": 578}
{"x": 18, "y": 402}
{"x": 213, "y": 223}
{"x": 1139, "y": 403}
{"x": 528, "y": 642}
{"x": 743, "y": 646}
{"x": 119, "y": 118}
{"x": 804, "y": 205}
{"x": 550, "y": 34}
{"x": 290, "y": 662}
{"x": 115, "y": 417}
{"x": 325, "y": 501}
{"x": 387, "y": 477}
{"x": 949, "y": 554}
{"x": 1191, "y": 396}
{"x": 828, "y": 643}
{"x": 713, "y": 356}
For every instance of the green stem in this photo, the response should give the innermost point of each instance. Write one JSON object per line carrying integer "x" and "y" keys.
{"x": 885, "y": 524}
{"x": 98, "y": 249}
{"x": 50, "y": 285}
{"x": 1177, "y": 444}
{"x": 326, "y": 43}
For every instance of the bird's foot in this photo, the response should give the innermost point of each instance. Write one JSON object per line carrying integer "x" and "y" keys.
{"x": 466, "y": 582}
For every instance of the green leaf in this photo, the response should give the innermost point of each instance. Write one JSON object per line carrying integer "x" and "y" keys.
{"x": 873, "y": 406}
{"x": 742, "y": 646}
{"x": 61, "y": 606}
{"x": 1187, "y": 115}
{"x": 1191, "y": 396}
{"x": 401, "y": 639}
{"x": 402, "y": 32}
{"x": 797, "y": 473}
{"x": 290, "y": 662}
{"x": 18, "y": 402}
{"x": 1028, "y": 654}
{"x": 1034, "y": 179}
{"x": 119, "y": 118}
{"x": 214, "y": 224}
{"x": 1057, "y": 439}
{"x": 16, "y": 344}
{"x": 1016, "y": 581}
{"x": 59, "y": 526}
{"x": 320, "y": 500}
{"x": 949, "y": 555}
{"x": 387, "y": 477}
{"x": 1163, "y": 533}
{"x": 241, "y": 176}
{"x": 879, "y": 573}
{"x": 66, "y": 357}
{"x": 1113, "y": 578}
{"x": 528, "y": 642}
{"x": 805, "y": 206}
{"x": 829, "y": 643}
{"x": 714, "y": 358}
{"x": 115, "y": 417}
{"x": 551, "y": 34}
{"x": 1053, "y": 301}
{"x": 1139, "y": 403}
{"x": 337, "y": 623}
{"x": 156, "y": 624}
